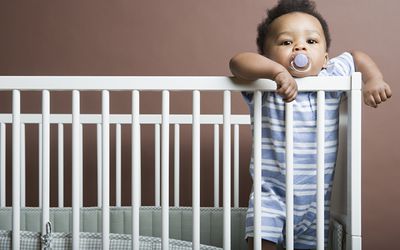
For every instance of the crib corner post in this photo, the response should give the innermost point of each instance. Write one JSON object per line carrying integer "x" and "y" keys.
{"x": 354, "y": 164}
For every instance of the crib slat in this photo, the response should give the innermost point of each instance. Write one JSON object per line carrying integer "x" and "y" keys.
{"x": 75, "y": 169}
{"x": 139, "y": 163}
{"x": 176, "y": 165}
{"x": 257, "y": 168}
{"x": 45, "y": 159}
{"x": 216, "y": 165}
{"x": 320, "y": 169}
{"x": 2, "y": 165}
{"x": 135, "y": 169}
{"x": 23, "y": 175}
{"x": 81, "y": 164}
{"x": 236, "y": 166}
{"x": 16, "y": 127}
{"x": 60, "y": 165}
{"x": 118, "y": 165}
{"x": 157, "y": 164}
{"x": 289, "y": 175}
{"x": 227, "y": 170}
{"x": 165, "y": 169}
{"x": 99, "y": 165}
{"x": 40, "y": 163}
{"x": 196, "y": 169}
{"x": 106, "y": 168}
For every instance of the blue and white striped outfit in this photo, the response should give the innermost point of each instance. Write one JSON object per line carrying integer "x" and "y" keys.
{"x": 305, "y": 159}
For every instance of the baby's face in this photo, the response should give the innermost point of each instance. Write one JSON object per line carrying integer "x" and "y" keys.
{"x": 296, "y": 33}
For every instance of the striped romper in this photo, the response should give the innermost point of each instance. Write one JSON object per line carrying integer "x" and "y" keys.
{"x": 273, "y": 207}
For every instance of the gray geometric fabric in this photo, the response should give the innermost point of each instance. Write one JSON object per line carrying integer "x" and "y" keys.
{"x": 180, "y": 222}
{"x": 337, "y": 235}
{"x": 93, "y": 241}
{"x": 180, "y": 228}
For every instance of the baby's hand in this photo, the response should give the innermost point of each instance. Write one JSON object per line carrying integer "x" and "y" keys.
{"x": 286, "y": 86}
{"x": 376, "y": 91}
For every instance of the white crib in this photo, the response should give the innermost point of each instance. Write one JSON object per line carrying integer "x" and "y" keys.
{"x": 347, "y": 188}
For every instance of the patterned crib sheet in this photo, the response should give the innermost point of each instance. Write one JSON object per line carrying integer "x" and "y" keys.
{"x": 92, "y": 241}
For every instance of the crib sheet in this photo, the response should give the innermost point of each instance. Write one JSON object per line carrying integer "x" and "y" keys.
{"x": 93, "y": 241}
{"x": 180, "y": 218}
{"x": 180, "y": 228}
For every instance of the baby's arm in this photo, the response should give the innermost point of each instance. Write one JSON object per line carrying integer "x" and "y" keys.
{"x": 375, "y": 89}
{"x": 252, "y": 66}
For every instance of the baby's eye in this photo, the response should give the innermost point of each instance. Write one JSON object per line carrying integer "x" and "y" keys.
{"x": 311, "y": 41}
{"x": 286, "y": 43}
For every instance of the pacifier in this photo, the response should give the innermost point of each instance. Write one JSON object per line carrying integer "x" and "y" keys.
{"x": 300, "y": 63}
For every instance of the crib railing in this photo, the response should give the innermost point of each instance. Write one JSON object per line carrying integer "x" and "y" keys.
{"x": 166, "y": 84}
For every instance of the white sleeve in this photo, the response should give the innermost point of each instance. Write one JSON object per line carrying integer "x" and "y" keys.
{"x": 342, "y": 65}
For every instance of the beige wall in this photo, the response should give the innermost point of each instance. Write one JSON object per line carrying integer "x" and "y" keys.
{"x": 183, "y": 37}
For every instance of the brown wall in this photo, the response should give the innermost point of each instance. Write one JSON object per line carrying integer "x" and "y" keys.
{"x": 196, "y": 38}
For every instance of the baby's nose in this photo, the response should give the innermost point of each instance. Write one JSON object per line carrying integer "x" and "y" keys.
{"x": 300, "y": 47}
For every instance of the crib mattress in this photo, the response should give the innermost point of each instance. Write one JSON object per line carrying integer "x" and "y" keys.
{"x": 180, "y": 228}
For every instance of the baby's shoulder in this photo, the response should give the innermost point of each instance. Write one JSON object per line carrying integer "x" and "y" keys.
{"x": 341, "y": 65}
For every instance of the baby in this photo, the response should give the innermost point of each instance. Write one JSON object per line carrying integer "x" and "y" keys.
{"x": 293, "y": 42}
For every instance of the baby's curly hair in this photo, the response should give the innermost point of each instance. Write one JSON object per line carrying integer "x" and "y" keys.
{"x": 288, "y": 6}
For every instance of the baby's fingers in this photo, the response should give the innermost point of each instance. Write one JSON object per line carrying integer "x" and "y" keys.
{"x": 370, "y": 101}
{"x": 377, "y": 98}
{"x": 388, "y": 92}
{"x": 383, "y": 96}
{"x": 283, "y": 89}
{"x": 288, "y": 93}
{"x": 291, "y": 97}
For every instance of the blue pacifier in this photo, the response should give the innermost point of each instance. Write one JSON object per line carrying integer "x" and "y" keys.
{"x": 300, "y": 63}
{"x": 300, "y": 60}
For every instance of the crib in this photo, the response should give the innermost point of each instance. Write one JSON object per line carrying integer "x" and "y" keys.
{"x": 164, "y": 225}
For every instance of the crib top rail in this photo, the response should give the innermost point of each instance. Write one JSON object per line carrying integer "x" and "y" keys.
{"x": 173, "y": 83}
{"x": 126, "y": 119}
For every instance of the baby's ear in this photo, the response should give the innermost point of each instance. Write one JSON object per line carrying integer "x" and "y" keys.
{"x": 326, "y": 60}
